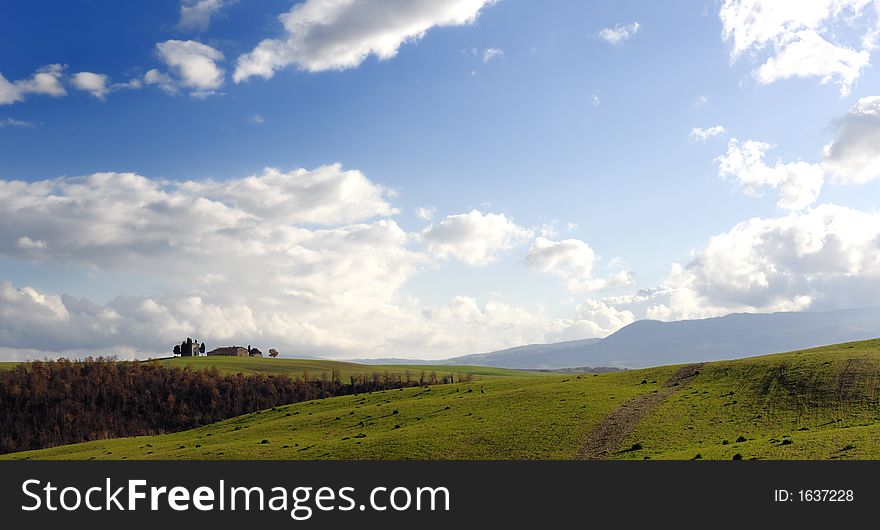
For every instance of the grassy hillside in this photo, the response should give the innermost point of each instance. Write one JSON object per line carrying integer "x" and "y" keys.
{"x": 509, "y": 417}
{"x": 316, "y": 368}
{"x": 7, "y": 366}
{"x": 822, "y": 403}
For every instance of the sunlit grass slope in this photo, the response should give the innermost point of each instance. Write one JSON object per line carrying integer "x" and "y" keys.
{"x": 822, "y": 403}
{"x": 495, "y": 417}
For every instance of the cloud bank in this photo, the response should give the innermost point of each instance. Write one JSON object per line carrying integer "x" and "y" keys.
{"x": 800, "y": 39}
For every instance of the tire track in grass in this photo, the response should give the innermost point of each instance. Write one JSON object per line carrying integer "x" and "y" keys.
{"x": 607, "y": 436}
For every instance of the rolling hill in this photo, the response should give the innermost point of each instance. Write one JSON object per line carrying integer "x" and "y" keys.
{"x": 317, "y": 368}
{"x": 651, "y": 343}
{"x": 820, "y": 403}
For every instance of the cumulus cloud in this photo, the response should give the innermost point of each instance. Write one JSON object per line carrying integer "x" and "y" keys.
{"x": 474, "y": 238}
{"x": 193, "y": 65}
{"x": 324, "y": 196}
{"x": 321, "y": 35}
{"x": 798, "y": 183}
{"x": 805, "y": 38}
{"x": 572, "y": 261}
{"x": 160, "y": 79}
{"x": 827, "y": 257}
{"x": 287, "y": 256}
{"x": 94, "y": 84}
{"x": 854, "y": 155}
{"x": 127, "y": 221}
{"x": 699, "y": 134}
{"x": 197, "y": 14}
{"x": 510, "y": 325}
{"x": 598, "y": 318}
{"x": 619, "y": 33}
{"x": 311, "y": 262}
{"x": 45, "y": 81}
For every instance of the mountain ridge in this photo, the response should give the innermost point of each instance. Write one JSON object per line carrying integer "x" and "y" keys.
{"x": 653, "y": 343}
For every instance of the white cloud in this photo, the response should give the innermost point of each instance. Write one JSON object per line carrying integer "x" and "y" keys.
{"x": 826, "y": 257}
{"x": 309, "y": 262}
{"x": 474, "y": 238}
{"x": 12, "y": 122}
{"x": 197, "y": 14}
{"x": 572, "y": 261}
{"x": 492, "y": 53}
{"x": 127, "y": 222}
{"x": 131, "y": 84}
{"x": 598, "y": 318}
{"x": 854, "y": 155}
{"x": 800, "y": 35}
{"x": 426, "y": 213}
{"x": 506, "y": 325}
{"x": 323, "y": 35}
{"x": 619, "y": 33}
{"x": 160, "y": 79}
{"x": 798, "y": 183}
{"x": 193, "y": 64}
{"x": 698, "y": 134}
{"x": 45, "y": 81}
{"x": 701, "y": 100}
{"x": 94, "y": 84}
{"x": 324, "y": 196}
{"x": 29, "y": 244}
{"x": 595, "y": 100}
{"x": 809, "y": 55}
{"x": 302, "y": 258}
{"x": 256, "y": 119}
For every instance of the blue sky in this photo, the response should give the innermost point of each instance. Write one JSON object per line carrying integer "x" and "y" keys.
{"x": 553, "y": 144}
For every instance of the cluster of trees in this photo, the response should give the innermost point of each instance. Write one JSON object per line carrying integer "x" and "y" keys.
{"x": 48, "y": 403}
{"x": 188, "y": 348}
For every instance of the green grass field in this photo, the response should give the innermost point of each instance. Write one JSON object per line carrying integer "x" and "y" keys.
{"x": 317, "y": 368}
{"x": 7, "y": 366}
{"x": 491, "y": 418}
{"x": 822, "y": 403}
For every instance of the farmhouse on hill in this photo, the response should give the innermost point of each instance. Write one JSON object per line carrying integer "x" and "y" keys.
{"x": 236, "y": 351}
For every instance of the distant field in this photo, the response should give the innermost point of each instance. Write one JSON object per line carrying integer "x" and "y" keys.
{"x": 315, "y": 368}
{"x": 822, "y": 403}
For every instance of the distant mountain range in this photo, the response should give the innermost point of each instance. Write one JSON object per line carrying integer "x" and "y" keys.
{"x": 651, "y": 343}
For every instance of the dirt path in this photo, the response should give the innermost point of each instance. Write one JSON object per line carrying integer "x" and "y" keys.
{"x": 610, "y": 433}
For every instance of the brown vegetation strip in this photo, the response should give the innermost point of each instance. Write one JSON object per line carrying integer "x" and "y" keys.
{"x": 613, "y": 430}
